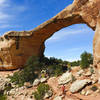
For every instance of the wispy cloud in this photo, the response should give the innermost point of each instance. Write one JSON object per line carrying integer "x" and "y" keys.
{"x": 4, "y": 3}
{"x": 9, "y": 11}
{"x": 4, "y": 16}
{"x": 9, "y": 26}
{"x": 65, "y": 32}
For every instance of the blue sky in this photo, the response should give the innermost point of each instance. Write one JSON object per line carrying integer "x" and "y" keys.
{"x": 67, "y": 43}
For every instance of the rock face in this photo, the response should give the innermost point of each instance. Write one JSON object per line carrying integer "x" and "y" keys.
{"x": 17, "y": 47}
{"x": 78, "y": 85}
{"x": 65, "y": 78}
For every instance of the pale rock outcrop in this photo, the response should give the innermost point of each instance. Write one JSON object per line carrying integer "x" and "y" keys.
{"x": 65, "y": 78}
{"x": 79, "y": 73}
{"x": 58, "y": 98}
{"x": 78, "y": 85}
{"x": 4, "y": 83}
{"x": 94, "y": 78}
{"x": 17, "y": 47}
{"x": 36, "y": 82}
{"x": 48, "y": 94}
{"x": 43, "y": 79}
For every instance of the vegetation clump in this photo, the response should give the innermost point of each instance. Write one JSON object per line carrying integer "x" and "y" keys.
{"x": 41, "y": 90}
{"x": 53, "y": 67}
{"x": 86, "y": 60}
{"x": 28, "y": 73}
{"x": 34, "y": 66}
{"x": 3, "y": 97}
{"x": 94, "y": 88}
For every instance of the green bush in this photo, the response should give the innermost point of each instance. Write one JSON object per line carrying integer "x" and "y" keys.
{"x": 91, "y": 70}
{"x": 73, "y": 79}
{"x": 3, "y": 97}
{"x": 86, "y": 60}
{"x": 28, "y": 73}
{"x": 55, "y": 70}
{"x": 41, "y": 90}
{"x": 75, "y": 63}
{"x": 94, "y": 88}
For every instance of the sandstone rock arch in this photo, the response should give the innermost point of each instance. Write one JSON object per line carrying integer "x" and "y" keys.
{"x": 17, "y": 47}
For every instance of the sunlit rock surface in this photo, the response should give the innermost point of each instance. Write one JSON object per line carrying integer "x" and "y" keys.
{"x": 17, "y": 47}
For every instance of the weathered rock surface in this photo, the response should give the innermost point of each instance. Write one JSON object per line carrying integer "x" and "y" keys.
{"x": 17, "y": 47}
{"x": 78, "y": 85}
{"x": 36, "y": 82}
{"x": 58, "y": 98}
{"x": 65, "y": 78}
{"x": 48, "y": 94}
{"x": 4, "y": 84}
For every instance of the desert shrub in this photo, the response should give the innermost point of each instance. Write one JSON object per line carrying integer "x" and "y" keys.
{"x": 86, "y": 60}
{"x": 91, "y": 70}
{"x": 28, "y": 73}
{"x": 17, "y": 78}
{"x": 55, "y": 70}
{"x": 73, "y": 79}
{"x": 8, "y": 87}
{"x": 94, "y": 88}
{"x": 41, "y": 90}
{"x": 75, "y": 63}
{"x": 3, "y": 97}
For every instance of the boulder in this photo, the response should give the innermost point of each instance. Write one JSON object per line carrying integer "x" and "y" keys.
{"x": 28, "y": 84}
{"x": 83, "y": 92}
{"x": 94, "y": 78}
{"x": 65, "y": 78}
{"x": 79, "y": 73}
{"x": 4, "y": 84}
{"x": 36, "y": 82}
{"x": 48, "y": 94}
{"x": 88, "y": 74}
{"x": 99, "y": 81}
{"x": 42, "y": 80}
{"x": 58, "y": 98}
{"x": 12, "y": 92}
{"x": 78, "y": 85}
{"x": 88, "y": 92}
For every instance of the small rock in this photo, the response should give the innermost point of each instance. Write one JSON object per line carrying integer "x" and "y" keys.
{"x": 28, "y": 84}
{"x": 12, "y": 92}
{"x": 65, "y": 78}
{"x": 94, "y": 78}
{"x": 58, "y": 98}
{"x": 36, "y": 82}
{"x": 88, "y": 92}
{"x": 99, "y": 81}
{"x": 98, "y": 91}
{"x": 88, "y": 73}
{"x": 78, "y": 85}
{"x": 83, "y": 92}
{"x": 79, "y": 73}
{"x": 48, "y": 94}
{"x": 42, "y": 80}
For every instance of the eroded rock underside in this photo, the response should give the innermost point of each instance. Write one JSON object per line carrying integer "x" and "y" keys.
{"x": 17, "y": 47}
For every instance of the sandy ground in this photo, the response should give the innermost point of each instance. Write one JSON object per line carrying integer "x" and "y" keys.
{"x": 53, "y": 82}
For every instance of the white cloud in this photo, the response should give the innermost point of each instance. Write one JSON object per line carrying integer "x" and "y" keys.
{"x": 63, "y": 33}
{"x": 8, "y": 26}
{"x": 4, "y": 16}
{"x": 9, "y": 11}
{"x": 4, "y": 3}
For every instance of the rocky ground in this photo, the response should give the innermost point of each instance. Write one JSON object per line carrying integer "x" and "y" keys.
{"x": 80, "y": 85}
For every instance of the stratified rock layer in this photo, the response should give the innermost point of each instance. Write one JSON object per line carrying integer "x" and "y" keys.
{"x": 17, "y": 47}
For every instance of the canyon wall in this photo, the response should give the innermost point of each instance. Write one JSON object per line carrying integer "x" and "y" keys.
{"x": 17, "y": 47}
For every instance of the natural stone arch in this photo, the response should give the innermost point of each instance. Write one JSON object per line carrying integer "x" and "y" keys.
{"x": 32, "y": 42}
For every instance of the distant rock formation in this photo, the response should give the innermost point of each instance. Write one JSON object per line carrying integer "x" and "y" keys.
{"x": 17, "y": 47}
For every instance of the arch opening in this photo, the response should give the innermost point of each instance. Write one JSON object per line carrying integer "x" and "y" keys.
{"x": 70, "y": 42}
